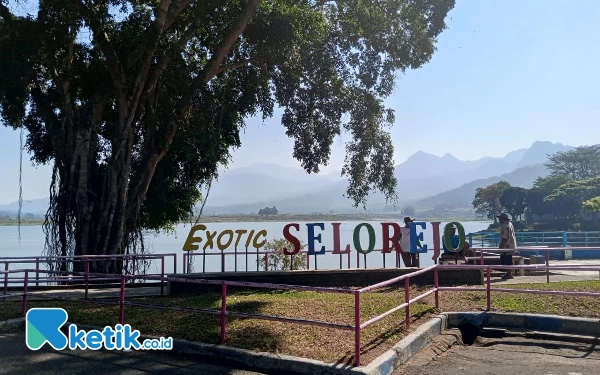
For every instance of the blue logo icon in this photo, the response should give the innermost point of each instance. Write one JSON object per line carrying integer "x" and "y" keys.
{"x": 42, "y": 325}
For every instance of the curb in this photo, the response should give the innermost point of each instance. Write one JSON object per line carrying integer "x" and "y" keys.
{"x": 12, "y": 325}
{"x": 535, "y": 322}
{"x": 385, "y": 364}
{"x": 406, "y": 348}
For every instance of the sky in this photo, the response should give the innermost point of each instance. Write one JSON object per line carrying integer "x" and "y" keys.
{"x": 505, "y": 74}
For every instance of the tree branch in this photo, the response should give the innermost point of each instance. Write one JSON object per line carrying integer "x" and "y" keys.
{"x": 6, "y": 15}
{"x": 236, "y": 64}
{"x": 148, "y": 166}
{"x": 105, "y": 44}
{"x": 166, "y": 17}
{"x": 176, "y": 10}
{"x": 213, "y": 65}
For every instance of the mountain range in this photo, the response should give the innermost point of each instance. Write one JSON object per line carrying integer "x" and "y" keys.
{"x": 424, "y": 181}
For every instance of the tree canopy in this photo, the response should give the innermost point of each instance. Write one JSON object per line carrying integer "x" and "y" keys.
{"x": 582, "y": 163}
{"x": 514, "y": 200}
{"x": 567, "y": 200}
{"x": 136, "y": 103}
{"x": 592, "y": 204}
{"x": 487, "y": 200}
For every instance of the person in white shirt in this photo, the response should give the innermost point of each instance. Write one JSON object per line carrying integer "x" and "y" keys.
{"x": 508, "y": 240}
{"x": 409, "y": 259}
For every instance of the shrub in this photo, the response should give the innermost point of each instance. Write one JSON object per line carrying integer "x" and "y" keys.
{"x": 278, "y": 261}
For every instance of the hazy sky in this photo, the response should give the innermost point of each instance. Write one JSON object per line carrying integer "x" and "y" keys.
{"x": 506, "y": 73}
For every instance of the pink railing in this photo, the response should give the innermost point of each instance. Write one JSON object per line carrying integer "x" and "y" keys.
{"x": 358, "y": 325}
{"x": 488, "y": 289}
{"x": 85, "y": 259}
{"x": 496, "y": 251}
{"x": 345, "y": 259}
{"x": 223, "y": 312}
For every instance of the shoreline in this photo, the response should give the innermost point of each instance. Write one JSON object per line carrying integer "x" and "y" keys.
{"x": 284, "y": 218}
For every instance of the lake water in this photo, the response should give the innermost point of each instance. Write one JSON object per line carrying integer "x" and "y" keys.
{"x": 32, "y": 244}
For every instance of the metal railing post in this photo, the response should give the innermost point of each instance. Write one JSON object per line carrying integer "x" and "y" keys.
{"x": 357, "y": 328}
{"x": 407, "y": 301}
{"x": 488, "y": 289}
{"x": 547, "y": 265}
{"x": 87, "y": 276}
{"x": 5, "y": 279}
{"x": 266, "y": 260}
{"x": 133, "y": 267}
{"x": 436, "y": 285}
{"x": 37, "y": 271}
{"x": 162, "y": 276}
{"x": 122, "y": 301}
{"x": 175, "y": 263}
{"x": 223, "y": 311}
{"x": 25, "y": 284}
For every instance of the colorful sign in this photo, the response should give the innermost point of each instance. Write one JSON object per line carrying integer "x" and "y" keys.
{"x": 390, "y": 232}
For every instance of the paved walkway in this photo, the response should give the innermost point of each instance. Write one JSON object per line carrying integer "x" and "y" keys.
{"x": 559, "y": 275}
{"x": 108, "y": 293}
{"x": 510, "y": 356}
{"x": 17, "y": 359}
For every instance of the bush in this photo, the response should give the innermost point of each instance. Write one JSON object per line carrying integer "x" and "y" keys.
{"x": 278, "y": 261}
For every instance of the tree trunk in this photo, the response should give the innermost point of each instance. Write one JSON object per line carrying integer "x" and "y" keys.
{"x": 98, "y": 203}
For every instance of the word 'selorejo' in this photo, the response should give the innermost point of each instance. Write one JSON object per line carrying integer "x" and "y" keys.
{"x": 390, "y": 233}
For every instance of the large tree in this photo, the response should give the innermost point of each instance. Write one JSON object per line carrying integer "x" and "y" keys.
{"x": 582, "y": 163}
{"x": 567, "y": 200}
{"x": 592, "y": 204}
{"x": 543, "y": 187}
{"x": 487, "y": 200}
{"x": 513, "y": 200}
{"x": 136, "y": 103}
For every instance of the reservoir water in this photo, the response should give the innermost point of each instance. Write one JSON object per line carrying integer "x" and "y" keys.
{"x": 31, "y": 244}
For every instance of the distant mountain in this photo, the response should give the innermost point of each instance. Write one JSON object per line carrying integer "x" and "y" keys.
{"x": 463, "y": 196}
{"x": 539, "y": 151}
{"x": 423, "y": 178}
{"x": 34, "y": 206}
{"x": 280, "y": 172}
{"x": 265, "y": 182}
{"x": 423, "y": 175}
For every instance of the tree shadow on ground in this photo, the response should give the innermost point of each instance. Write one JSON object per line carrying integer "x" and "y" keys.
{"x": 252, "y": 337}
{"x": 381, "y": 339}
{"x": 586, "y": 349}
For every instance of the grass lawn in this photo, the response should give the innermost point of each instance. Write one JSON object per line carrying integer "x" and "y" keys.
{"x": 326, "y": 344}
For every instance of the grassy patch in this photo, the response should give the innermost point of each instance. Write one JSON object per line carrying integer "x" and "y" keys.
{"x": 326, "y": 344}
{"x": 588, "y": 307}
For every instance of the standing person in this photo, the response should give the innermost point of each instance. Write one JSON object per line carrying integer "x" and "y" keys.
{"x": 409, "y": 259}
{"x": 508, "y": 240}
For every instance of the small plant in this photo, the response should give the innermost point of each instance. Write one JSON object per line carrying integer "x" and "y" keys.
{"x": 278, "y": 261}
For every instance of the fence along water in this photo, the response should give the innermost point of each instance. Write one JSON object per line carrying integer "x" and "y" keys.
{"x": 359, "y": 323}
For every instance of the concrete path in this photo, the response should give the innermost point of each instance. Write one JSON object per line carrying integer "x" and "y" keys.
{"x": 17, "y": 359}
{"x": 109, "y": 293}
{"x": 510, "y": 356}
{"x": 558, "y": 275}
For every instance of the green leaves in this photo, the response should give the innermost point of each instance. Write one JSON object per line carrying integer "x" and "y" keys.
{"x": 514, "y": 200}
{"x": 102, "y": 82}
{"x": 487, "y": 200}
{"x": 592, "y": 204}
{"x": 578, "y": 164}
